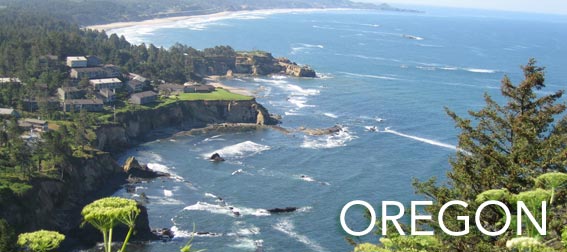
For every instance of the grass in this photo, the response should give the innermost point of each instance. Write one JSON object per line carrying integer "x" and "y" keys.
{"x": 218, "y": 95}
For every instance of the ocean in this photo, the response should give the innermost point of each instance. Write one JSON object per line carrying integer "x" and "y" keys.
{"x": 389, "y": 70}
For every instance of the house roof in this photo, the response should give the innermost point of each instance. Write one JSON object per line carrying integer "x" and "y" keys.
{"x": 34, "y": 121}
{"x": 106, "y": 80}
{"x": 9, "y": 80}
{"x": 84, "y": 101}
{"x": 70, "y": 89}
{"x": 76, "y": 58}
{"x": 144, "y": 94}
{"x": 6, "y": 111}
{"x": 88, "y": 69}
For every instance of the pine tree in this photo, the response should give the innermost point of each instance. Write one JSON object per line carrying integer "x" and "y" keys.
{"x": 501, "y": 147}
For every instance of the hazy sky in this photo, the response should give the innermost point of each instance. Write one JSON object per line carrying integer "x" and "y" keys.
{"x": 542, "y": 6}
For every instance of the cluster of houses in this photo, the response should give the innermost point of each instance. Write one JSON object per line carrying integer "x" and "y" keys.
{"x": 25, "y": 123}
{"x": 94, "y": 85}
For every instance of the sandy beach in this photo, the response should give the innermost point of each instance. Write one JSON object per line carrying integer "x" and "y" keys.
{"x": 204, "y": 18}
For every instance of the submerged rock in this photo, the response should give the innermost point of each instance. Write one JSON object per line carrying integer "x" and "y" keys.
{"x": 320, "y": 132}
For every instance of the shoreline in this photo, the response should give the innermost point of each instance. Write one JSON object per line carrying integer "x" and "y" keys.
{"x": 206, "y": 17}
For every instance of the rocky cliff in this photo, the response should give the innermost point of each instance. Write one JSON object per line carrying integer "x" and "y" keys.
{"x": 133, "y": 127}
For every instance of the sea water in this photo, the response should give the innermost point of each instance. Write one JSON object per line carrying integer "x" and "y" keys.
{"x": 394, "y": 72}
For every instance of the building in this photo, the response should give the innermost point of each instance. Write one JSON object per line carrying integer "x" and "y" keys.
{"x": 76, "y": 61}
{"x": 172, "y": 89}
{"x": 33, "y": 104}
{"x": 108, "y": 71}
{"x": 107, "y": 95}
{"x": 77, "y": 105}
{"x": 199, "y": 88}
{"x": 35, "y": 124}
{"x": 93, "y": 61}
{"x": 8, "y": 112}
{"x": 110, "y": 83}
{"x": 66, "y": 93}
{"x": 8, "y": 80}
{"x": 135, "y": 86}
{"x": 143, "y": 98}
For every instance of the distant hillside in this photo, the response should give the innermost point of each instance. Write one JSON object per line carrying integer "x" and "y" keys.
{"x": 89, "y": 12}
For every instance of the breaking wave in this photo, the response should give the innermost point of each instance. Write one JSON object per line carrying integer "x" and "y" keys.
{"x": 226, "y": 210}
{"x": 328, "y": 141}
{"x": 421, "y": 139}
{"x": 382, "y": 77}
{"x": 286, "y": 226}
{"x": 244, "y": 149}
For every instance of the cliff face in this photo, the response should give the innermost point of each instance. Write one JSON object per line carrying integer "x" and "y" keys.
{"x": 133, "y": 127}
{"x": 48, "y": 204}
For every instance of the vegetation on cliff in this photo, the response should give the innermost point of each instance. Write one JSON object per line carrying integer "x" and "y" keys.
{"x": 510, "y": 152}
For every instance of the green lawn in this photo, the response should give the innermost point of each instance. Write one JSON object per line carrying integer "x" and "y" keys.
{"x": 218, "y": 94}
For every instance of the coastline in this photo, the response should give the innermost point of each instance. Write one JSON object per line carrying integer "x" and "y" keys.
{"x": 195, "y": 19}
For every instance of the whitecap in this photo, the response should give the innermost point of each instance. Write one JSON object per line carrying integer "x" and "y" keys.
{"x": 286, "y": 226}
{"x": 178, "y": 233}
{"x": 382, "y": 77}
{"x": 154, "y": 200}
{"x": 164, "y": 169}
{"x": 167, "y": 193}
{"x": 328, "y": 141}
{"x": 244, "y": 149}
{"x": 226, "y": 210}
{"x": 479, "y": 70}
{"x": 331, "y": 115}
{"x": 421, "y": 139}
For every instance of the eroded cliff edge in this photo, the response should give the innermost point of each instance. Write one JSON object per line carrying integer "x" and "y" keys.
{"x": 133, "y": 127}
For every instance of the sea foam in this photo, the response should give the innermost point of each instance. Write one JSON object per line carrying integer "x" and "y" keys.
{"x": 244, "y": 149}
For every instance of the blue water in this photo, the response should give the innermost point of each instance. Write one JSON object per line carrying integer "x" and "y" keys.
{"x": 371, "y": 76}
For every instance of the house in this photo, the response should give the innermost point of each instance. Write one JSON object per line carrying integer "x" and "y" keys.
{"x": 135, "y": 86}
{"x": 35, "y": 124}
{"x": 76, "y": 61}
{"x": 143, "y": 97}
{"x": 171, "y": 89}
{"x": 199, "y": 88}
{"x": 93, "y": 61}
{"x": 8, "y": 80}
{"x": 8, "y": 112}
{"x": 107, "y": 95}
{"x": 75, "y": 105}
{"x": 108, "y": 71}
{"x": 66, "y": 93}
{"x": 31, "y": 105}
{"x": 110, "y": 83}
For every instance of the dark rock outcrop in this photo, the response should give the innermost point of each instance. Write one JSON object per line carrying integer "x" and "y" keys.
{"x": 282, "y": 210}
{"x": 216, "y": 157}
{"x": 134, "y": 170}
{"x": 324, "y": 131}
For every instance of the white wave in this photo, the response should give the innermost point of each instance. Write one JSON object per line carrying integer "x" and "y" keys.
{"x": 298, "y": 47}
{"x": 178, "y": 233}
{"x": 279, "y": 77}
{"x": 421, "y": 139}
{"x": 286, "y": 226}
{"x": 304, "y": 209}
{"x": 214, "y": 138}
{"x": 164, "y": 169}
{"x": 382, "y": 77}
{"x": 226, "y": 210}
{"x": 331, "y": 115}
{"x": 479, "y": 70}
{"x": 289, "y": 113}
{"x": 371, "y": 25}
{"x": 299, "y": 101}
{"x": 307, "y": 178}
{"x": 371, "y": 128}
{"x": 328, "y": 141}
{"x": 412, "y": 37}
{"x": 167, "y": 193}
{"x": 245, "y": 244}
{"x": 210, "y": 195}
{"x": 244, "y": 149}
{"x": 325, "y": 76}
{"x": 164, "y": 201}
{"x": 237, "y": 172}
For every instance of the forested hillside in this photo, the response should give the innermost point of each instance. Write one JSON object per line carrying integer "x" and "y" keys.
{"x": 91, "y": 12}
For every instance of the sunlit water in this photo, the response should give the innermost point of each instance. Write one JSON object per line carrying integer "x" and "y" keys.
{"x": 372, "y": 75}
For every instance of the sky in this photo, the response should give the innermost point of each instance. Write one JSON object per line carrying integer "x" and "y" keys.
{"x": 539, "y": 6}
